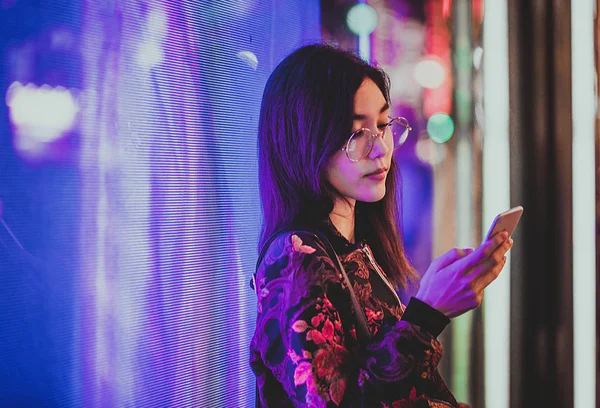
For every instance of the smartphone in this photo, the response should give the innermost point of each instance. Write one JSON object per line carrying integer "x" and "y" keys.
{"x": 506, "y": 221}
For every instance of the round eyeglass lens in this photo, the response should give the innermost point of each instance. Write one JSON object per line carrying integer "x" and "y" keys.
{"x": 362, "y": 141}
{"x": 360, "y": 144}
{"x": 400, "y": 130}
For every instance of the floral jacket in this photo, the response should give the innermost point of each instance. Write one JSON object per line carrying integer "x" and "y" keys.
{"x": 305, "y": 351}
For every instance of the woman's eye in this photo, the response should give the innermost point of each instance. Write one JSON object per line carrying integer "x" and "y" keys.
{"x": 382, "y": 126}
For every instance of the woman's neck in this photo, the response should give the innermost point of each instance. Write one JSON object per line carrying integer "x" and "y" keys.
{"x": 342, "y": 217}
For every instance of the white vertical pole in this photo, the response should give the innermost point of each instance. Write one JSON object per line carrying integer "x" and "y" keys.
{"x": 496, "y": 198}
{"x": 584, "y": 214}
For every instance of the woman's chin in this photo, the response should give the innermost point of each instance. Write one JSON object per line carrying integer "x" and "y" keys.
{"x": 372, "y": 195}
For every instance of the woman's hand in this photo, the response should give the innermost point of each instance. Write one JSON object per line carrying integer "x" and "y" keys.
{"x": 455, "y": 281}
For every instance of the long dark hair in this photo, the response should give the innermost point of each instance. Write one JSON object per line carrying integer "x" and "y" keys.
{"x": 305, "y": 117}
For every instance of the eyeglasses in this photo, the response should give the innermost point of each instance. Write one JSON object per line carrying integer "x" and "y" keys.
{"x": 361, "y": 142}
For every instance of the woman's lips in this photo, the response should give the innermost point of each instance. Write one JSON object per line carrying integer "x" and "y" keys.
{"x": 380, "y": 175}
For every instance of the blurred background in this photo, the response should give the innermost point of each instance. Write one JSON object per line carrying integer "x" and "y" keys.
{"x": 129, "y": 207}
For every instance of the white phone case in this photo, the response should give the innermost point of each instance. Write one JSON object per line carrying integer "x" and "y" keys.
{"x": 506, "y": 221}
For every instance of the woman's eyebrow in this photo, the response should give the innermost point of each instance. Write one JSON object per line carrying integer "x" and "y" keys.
{"x": 360, "y": 116}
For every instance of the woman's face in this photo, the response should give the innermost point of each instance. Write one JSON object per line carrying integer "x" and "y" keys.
{"x": 355, "y": 180}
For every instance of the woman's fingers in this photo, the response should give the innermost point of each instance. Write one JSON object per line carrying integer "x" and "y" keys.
{"x": 488, "y": 271}
{"x": 449, "y": 257}
{"x": 482, "y": 253}
{"x": 471, "y": 271}
{"x": 483, "y": 280}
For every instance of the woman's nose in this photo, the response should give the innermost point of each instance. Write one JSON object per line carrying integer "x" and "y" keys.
{"x": 380, "y": 147}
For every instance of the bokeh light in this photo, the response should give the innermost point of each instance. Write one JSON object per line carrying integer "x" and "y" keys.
{"x": 430, "y": 152}
{"x": 429, "y": 73}
{"x": 150, "y": 52}
{"x": 362, "y": 19}
{"x": 41, "y": 113}
{"x": 440, "y": 127}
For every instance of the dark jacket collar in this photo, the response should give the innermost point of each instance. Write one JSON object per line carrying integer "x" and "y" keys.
{"x": 341, "y": 245}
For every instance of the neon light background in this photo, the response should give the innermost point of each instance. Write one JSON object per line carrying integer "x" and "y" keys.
{"x": 139, "y": 225}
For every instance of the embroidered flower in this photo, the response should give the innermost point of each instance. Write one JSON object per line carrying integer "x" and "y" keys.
{"x": 298, "y": 245}
{"x": 294, "y": 357}
{"x": 338, "y": 325}
{"x": 337, "y": 390}
{"x": 316, "y": 337}
{"x": 353, "y": 333}
{"x": 302, "y": 373}
{"x": 411, "y": 401}
{"x": 325, "y": 363}
{"x": 328, "y": 330}
{"x": 317, "y": 320}
{"x": 374, "y": 318}
{"x": 300, "y": 326}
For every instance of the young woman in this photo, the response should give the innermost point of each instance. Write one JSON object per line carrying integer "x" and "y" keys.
{"x": 325, "y": 143}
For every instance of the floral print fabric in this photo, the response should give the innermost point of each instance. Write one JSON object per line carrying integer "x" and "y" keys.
{"x": 305, "y": 351}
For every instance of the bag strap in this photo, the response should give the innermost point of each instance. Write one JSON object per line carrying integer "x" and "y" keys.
{"x": 363, "y": 332}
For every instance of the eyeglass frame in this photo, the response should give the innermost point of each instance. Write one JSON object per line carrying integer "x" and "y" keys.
{"x": 398, "y": 119}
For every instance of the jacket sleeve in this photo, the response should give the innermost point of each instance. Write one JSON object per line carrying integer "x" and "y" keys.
{"x": 311, "y": 353}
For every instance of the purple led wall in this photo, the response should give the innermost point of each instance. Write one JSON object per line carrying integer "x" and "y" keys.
{"x": 147, "y": 258}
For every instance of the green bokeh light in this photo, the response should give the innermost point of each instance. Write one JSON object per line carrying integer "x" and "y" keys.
{"x": 440, "y": 127}
{"x": 361, "y": 19}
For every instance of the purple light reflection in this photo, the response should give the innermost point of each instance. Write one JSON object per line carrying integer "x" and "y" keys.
{"x": 169, "y": 197}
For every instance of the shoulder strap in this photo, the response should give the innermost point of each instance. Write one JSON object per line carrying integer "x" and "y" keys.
{"x": 263, "y": 251}
{"x": 363, "y": 332}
